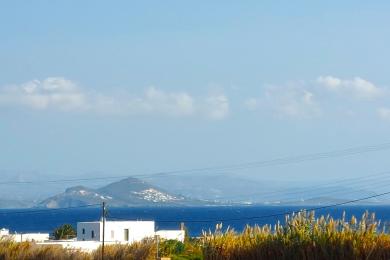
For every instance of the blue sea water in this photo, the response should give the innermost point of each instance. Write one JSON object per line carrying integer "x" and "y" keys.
{"x": 196, "y": 219}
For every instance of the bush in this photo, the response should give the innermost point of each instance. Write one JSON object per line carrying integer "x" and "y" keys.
{"x": 171, "y": 247}
{"x": 65, "y": 231}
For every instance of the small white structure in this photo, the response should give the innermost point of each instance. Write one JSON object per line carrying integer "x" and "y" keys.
{"x": 22, "y": 237}
{"x": 178, "y": 235}
{"x": 4, "y": 232}
{"x": 31, "y": 237}
{"x": 85, "y": 246}
{"x": 115, "y": 231}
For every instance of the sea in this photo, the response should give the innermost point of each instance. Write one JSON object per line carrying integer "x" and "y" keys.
{"x": 196, "y": 219}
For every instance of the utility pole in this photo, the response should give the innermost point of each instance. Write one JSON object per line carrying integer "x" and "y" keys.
{"x": 104, "y": 226}
{"x": 157, "y": 242}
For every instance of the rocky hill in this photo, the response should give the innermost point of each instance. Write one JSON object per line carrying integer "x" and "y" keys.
{"x": 124, "y": 193}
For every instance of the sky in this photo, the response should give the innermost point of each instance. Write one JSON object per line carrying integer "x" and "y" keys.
{"x": 105, "y": 88}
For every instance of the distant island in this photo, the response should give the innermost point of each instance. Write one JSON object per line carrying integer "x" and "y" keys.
{"x": 128, "y": 192}
{"x": 195, "y": 191}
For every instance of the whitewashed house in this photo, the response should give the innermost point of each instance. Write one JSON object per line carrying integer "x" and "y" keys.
{"x": 115, "y": 231}
{"x": 90, "y": 234}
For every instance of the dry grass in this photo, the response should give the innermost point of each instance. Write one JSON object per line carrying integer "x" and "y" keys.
{"x": 302, "y": 237}
{"x": 10, "y": 250}
{"x": 145, "y": 250}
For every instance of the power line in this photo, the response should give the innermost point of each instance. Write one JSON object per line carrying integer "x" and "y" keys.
{"x": 331, "y": 184}
{"x": 240, "y": 166}
{"x": 270, "y": 215}
{"x": 209, "y": 220}
{"x": 29, "y": 211}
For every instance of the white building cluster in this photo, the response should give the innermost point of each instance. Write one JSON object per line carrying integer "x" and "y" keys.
{"x": 90, "y": 234}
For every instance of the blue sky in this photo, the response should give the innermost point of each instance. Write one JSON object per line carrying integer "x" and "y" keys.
{"x": 126, "y": 87}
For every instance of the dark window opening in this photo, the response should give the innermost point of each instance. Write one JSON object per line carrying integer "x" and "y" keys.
{"x": 126, "y": 234}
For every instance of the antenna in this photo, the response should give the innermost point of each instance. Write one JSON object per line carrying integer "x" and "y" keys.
{"x": 104, "y": 225}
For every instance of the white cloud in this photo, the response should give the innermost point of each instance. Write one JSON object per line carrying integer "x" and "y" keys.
{"x": 302, "y": 99}
{"x": 357, "y": 87}
{"x": 57, "y": 93}
{"x": 384, "y": 113}
{"x": 291, "y": 100}
{"x": 326, "y": 94}
{"x": 159, "y": 102}
{"x": 251, "y": 103}
{"x": 217, "y": 106}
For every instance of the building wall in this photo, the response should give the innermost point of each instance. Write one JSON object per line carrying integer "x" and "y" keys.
{"x": 137, "y": 230}
{"x": 115, "y": 231}
{"x": 36, "y": 237}
{"x": 86, "y": 246}
{"x": 171, "y": 234}
{"x": 85, "y": 230}
{"x": 4, "y": 232}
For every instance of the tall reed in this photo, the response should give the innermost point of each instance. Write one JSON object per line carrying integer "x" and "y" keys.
{"x": 301, "y": 237}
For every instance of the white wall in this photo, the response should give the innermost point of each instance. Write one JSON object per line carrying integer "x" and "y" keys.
{"x": 86, "y": 246}
{"x": 115, "y": 231}
{"x": 36, "y": 237}
{"x": 171, "y": 234}
{"x": 4, "y": 232}
{"x": 88, "y": 228}
{"x": 138, "y": 230}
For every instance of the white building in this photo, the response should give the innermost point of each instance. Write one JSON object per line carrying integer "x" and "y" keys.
{"x": 115, "y": 231}
{"x": 85, "y": 246}
{"x": 31, "y": 237}
{"x": 4, "y": 232}
{"x": 178, "y": 235}
{"x": 22, "y": 237}
{"x": 90, "y": 235}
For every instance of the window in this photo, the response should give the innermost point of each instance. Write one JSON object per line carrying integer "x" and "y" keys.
{"x": 112, "y": 234}
{"x": 126, "y": 234}
{"x": 83, "y": 231}
{"x": 92, "y": 234}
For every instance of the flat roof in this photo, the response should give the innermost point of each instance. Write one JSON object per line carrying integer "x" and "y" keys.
{"x": 115, "y": 221}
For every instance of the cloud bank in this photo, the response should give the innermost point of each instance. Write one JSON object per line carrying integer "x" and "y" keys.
{"x": 356, "y": 88}
{"x": 60, "y": 94}
{"x": 324, "y": 95}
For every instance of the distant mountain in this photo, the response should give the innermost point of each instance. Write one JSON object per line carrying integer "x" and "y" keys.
{"x": 219, "y": 187}
{"x": 124, "y": 193}
{"x": 233, "y": 190}
{"x": 12, "y": 204}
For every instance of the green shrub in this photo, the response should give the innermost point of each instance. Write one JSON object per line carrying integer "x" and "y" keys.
{"x": 65, "y": 231}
